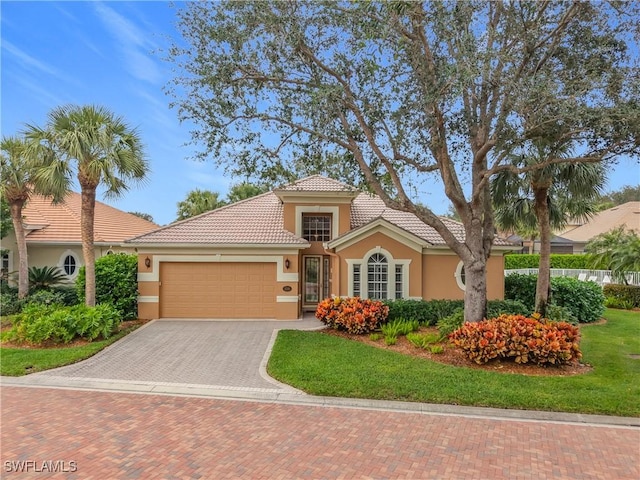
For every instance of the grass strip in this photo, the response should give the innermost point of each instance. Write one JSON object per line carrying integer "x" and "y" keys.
{"x": 322, "y": 364}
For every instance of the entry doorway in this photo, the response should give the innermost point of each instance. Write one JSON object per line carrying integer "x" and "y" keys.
{"x": 316, "y": 279}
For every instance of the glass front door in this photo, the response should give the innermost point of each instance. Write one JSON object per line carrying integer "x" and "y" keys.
{"x": 312, "y": 280}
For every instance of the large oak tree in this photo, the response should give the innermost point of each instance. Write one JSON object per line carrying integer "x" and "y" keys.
{"x": 414, "y": 96}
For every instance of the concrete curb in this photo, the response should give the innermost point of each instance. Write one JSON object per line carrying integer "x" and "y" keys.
{"x": 299, "y": 398}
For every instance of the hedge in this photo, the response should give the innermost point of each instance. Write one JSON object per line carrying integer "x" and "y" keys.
{"x": 116, "y": 283}
{"x": 558, "y": 260}
{"x": 583, "y": 300}
{"x": 625, "y": 293}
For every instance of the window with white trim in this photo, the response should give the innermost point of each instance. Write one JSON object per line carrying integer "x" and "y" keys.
{"x": 69, "y": 263}
{"x": 316, "y": 228}
{"x": 4, "y": 270}
{"x": 399, "y": 281}
{"x": 356, "y": 280}
{"x": 460, "y": 276}
{"x": 377, "y": 276}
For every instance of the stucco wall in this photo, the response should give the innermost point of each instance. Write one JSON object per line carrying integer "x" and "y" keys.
{"x": 440, "y": 281}
{"x": 398, "y": 251}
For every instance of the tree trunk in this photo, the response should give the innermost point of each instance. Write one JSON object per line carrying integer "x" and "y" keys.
{"x": 543, "y": 286}
{"x": 475, "y": 294}
{"x": 21, "y": 239}
{"x": 88, "y": 251}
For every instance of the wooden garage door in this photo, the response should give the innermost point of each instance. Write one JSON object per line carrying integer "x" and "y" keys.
{"x": 218, "y": 290}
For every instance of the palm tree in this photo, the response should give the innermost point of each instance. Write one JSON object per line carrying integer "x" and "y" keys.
{"x": 16, "y": 188}
{"x": 617, "y": 250}
{"x": 197, "y": 202}
{"x": 102, "y": 150}
{"x": 545, "y": 199}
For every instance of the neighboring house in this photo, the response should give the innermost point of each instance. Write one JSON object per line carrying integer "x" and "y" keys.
{"x": 558, "y": 244}
{"x": 54, "y": 238}
{"x": 627, "y": 215}
{"x": 280, "y": 253}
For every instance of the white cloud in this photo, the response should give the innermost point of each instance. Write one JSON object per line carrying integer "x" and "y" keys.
{"x": 27, "y": 60}
{"x": 134, "y": 43}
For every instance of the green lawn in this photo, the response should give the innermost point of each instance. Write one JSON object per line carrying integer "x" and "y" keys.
{"x": 322, "y": 364}
{"x": 20, "y": 361}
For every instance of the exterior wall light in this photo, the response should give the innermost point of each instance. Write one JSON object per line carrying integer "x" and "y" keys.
{"x": 147, "y": 262}
{"x": 287, "y": 264}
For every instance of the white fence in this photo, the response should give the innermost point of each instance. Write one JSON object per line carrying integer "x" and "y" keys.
{"x": 601, "y": 277}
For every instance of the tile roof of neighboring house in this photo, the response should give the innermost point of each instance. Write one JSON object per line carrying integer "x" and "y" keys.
{"x": 61, "y": 222}
{"x": 259, "y": 220}
{"x": 626, "y": 214}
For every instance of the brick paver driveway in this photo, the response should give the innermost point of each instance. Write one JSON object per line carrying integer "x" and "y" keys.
{"x": 224, "y": 354}
{"x": 121, "y": 435}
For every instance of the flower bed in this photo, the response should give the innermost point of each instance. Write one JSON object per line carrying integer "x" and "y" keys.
{"x": 352, "y": 314}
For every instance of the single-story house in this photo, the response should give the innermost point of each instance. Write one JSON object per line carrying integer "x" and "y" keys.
{"x": 278, "y": 254}
{"x": 54, "y": 238}
{"x": 626, "y": 215}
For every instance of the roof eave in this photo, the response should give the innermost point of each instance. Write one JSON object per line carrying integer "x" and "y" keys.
{"x": 299, "y": 246}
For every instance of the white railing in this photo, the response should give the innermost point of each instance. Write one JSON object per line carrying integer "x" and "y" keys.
{"x": 601, "y": 277}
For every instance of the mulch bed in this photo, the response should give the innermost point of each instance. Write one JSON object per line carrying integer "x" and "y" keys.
{"x": 455, "y": 357}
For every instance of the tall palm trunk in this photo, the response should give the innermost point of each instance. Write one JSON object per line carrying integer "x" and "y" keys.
{"x": 21, "y": 239}
{"x": 543, "y": 286}
{"x": 88, "y": 252}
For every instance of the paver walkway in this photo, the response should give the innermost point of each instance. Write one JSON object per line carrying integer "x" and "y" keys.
{"x": 116, "y": 435}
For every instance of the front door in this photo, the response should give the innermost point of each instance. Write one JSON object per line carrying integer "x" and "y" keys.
{"x": 315, "y": 280}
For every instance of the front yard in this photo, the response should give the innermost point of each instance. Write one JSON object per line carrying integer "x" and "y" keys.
{"x": 322, "y": 364}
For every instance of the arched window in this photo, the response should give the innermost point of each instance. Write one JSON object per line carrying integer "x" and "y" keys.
{"x": 377, "y": 276}
{"x": 69, "y": 265}
{"x": 460, "y": 276}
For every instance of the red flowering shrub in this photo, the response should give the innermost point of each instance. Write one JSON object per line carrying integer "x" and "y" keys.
{"x": 353, "y": 314}
{"x": 521, "y": 338}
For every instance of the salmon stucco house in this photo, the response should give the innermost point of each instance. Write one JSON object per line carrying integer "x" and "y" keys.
{"x": 54, "y": 238}
{"x": 277, "y": 255}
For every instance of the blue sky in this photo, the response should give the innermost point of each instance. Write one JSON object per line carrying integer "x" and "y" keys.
{"x": 109, "y": 53}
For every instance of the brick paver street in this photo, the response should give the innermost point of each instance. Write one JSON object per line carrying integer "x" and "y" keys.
{"x": 121, "y": 435}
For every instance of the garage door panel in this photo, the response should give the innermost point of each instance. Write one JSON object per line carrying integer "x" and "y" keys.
{"x": 218, "y": 290}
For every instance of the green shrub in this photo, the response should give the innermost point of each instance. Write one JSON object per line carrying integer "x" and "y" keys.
{"x": 558, "y": 260}
{"x": 426, "y": 312}
{"x": 10, "y": 304}
{"x": 437, "y": 349}
{"x": 584, "y": 300}
{"x": 68, "y": 295}
{"x": 375, "y": 337}
{"x": 353, "y": 314}
{"x": 451, "y": 323}
{"x": 39, "y": 323}
{"x": 44, "y": 278}
{"x": 495, "y": 308}
{"x": 556, "y": 313}
{"x": 518, "y": 338}
{"x": 390, "y": 339}
{"x": 521, "y": 288}
{"x": 46, "y": 297}
{"x": 116, "y": 283}
{"x": 629, "y": 294}
{"x": 422, "y": 340}
{"x": 613, "y": 302}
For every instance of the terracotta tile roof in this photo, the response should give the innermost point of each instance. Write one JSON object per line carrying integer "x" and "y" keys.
{"x": 318, "y": 183}
{"x": 61, "y": 222}
{"x": 366, "y": 208}
{"x": 627, "y": 214}
{"x": 257, "y": 220}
